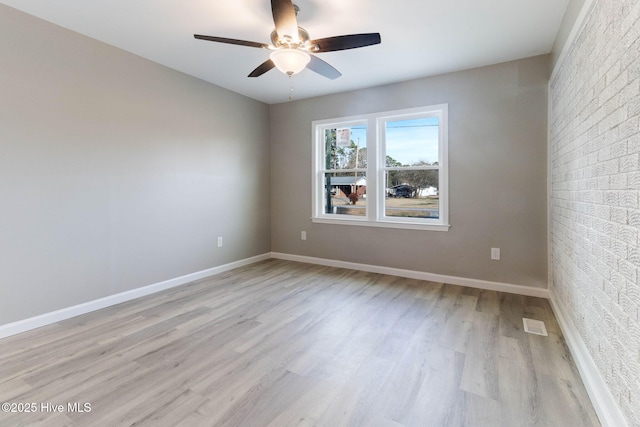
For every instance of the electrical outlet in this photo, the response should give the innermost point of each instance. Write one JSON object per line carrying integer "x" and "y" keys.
{"x": 495, "y": 254}
{"x": 219, "y": 242}
{"x": 303, "y": 235}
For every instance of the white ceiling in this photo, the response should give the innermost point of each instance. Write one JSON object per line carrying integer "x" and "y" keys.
{"x": 419, "y": 37}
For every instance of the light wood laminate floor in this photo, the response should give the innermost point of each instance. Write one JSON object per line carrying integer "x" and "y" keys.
{"x": 280, "y": 343}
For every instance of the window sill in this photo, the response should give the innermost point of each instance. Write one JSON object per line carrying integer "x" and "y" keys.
{"x": 382, "y": 224}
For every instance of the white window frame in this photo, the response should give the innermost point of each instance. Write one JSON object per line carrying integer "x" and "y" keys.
{"x": 376, "y": 167}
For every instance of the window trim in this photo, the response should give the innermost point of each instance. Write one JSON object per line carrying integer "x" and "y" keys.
{"x": 376, "y": 168}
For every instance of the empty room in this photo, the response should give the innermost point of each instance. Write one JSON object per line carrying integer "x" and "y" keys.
{"x": 320, "y": 213}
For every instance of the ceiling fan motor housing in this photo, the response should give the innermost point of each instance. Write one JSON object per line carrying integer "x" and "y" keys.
{"x": 302, "y": 43}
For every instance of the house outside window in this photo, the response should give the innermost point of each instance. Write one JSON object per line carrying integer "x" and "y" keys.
{"x": 384, "y": 170}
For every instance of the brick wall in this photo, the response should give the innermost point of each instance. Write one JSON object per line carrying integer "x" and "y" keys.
{"x": 595, "y": 194}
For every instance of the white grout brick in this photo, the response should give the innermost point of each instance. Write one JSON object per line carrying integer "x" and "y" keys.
{"x": 619, "y": 182}
{"x": 594, "y": 151}
{"x": 634, "y": 218}
{"x": 619, "y": 215}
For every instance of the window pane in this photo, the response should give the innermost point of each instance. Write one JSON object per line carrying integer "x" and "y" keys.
{"x": 345, "y": 194}
{"x": 346, "y": 148}
{"x": 412, "y": 194}
{"x": 412, "y": 142}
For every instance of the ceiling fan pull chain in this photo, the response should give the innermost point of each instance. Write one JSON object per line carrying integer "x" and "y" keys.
{"x": 290, "y": 88}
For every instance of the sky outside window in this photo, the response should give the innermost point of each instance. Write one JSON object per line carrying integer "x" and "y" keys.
{"x": 412, "y": 141}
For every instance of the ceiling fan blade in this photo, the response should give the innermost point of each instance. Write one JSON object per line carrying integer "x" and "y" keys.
{"x": 351, "y": 41}
{"x": 231, "y": 41}
{"x": 323, "y": 68}
{"x": 284, "y": 16}
{"x": 262, "y": 68}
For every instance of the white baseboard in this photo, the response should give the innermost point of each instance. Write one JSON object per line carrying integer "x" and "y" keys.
{"x": 603, "y": 401}
{"x": 20, "y": 326}
{"x": 77, "y": 310}
{"x": 420, "y": 275}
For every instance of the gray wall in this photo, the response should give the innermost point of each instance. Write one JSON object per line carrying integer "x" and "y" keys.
{"x": 115, "y": 172}
{"x": 595, "y": 199}
{"x": 497, "y": 155}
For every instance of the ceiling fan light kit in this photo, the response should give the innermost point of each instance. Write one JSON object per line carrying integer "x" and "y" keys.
{"x": 290, "y": 61}
{"x": 291, "y": 49}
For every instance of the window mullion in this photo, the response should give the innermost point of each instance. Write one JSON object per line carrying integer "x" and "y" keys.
{"x": 372, "y": 167}
{"x": 380, "y": 167}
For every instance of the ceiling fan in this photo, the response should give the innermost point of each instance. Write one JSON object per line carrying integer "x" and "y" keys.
{"x": 291, "y": 48}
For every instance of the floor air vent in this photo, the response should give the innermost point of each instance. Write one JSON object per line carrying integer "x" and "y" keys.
{"x": 534, "y": 326}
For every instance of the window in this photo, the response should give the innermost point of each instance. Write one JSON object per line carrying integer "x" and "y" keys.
{"x": 385, "y": 170}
